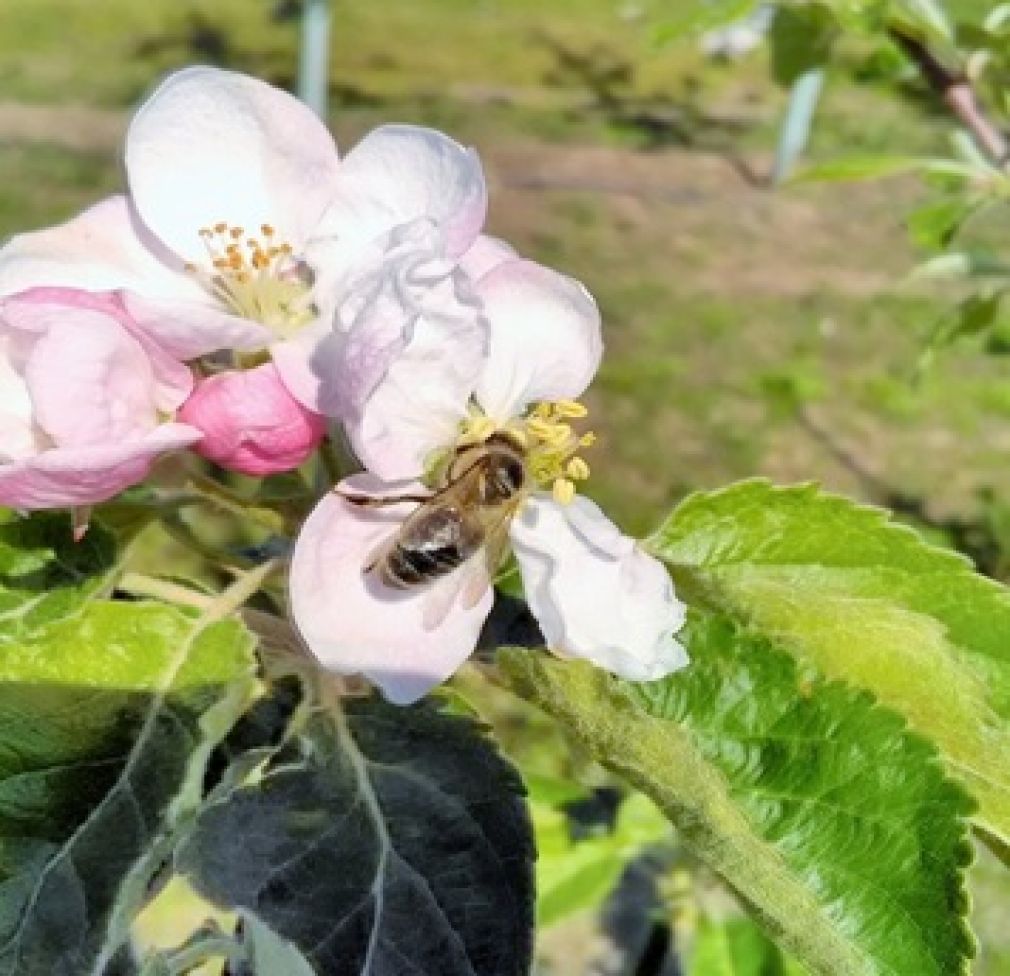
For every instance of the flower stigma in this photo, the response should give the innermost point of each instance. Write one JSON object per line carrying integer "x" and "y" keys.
{"x": 257, "y": 278}
{"x": 550, "y": 444}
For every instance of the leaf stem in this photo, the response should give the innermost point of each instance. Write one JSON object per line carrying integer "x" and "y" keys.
{"x": 223, "y": 498}
{"x": 140, "y": 584}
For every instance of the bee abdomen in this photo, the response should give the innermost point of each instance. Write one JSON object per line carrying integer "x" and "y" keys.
{"x": 405, "y": 567}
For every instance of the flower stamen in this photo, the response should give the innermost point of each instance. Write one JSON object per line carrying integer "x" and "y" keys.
{"x": 550, "y": 445}
{"x": 256, "y": 279}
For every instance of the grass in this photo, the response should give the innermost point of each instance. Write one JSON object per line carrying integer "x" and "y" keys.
{"x": 620, "y": 162}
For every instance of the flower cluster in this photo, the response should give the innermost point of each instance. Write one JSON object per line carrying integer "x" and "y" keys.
{"x": 251, "y": 288}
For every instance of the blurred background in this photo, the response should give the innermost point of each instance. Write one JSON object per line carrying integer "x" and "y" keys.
{"x": 750, "y": 331}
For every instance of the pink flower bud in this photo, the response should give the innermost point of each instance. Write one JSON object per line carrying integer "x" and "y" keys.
{"x": 83, "y": 400}
{"x": 251, "y": 423}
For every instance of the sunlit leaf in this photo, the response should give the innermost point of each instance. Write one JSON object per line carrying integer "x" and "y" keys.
{"x": 44, "y": 574}
{"x": 578, "y": 874}
{"x": 736, "y": 946}
{"x": 831, "y": 820}
{"x": 106, "y": 721}
{"x": 866, "y": 600}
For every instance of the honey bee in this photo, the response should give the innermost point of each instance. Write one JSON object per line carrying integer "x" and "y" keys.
{"x": 482, "y": 490}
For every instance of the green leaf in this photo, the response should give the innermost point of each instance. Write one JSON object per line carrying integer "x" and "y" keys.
{"x": 399, "y": 843}
{"x": 736, "y": 946}
{"x": 702, "y": 15}
{"x": 831, "y": 820}
{"x": 864, "y": 600}
{"x": 45, "y": 575}
{"x": 926, "y": 16}
{"x": 801, "y": 39}
{"x": 935, "y": 224}
{"x": 850, "y": 168}
{"x": 963, "y": 264}
{"x": 106, "y": 722}
{"x": 575, "y": 875}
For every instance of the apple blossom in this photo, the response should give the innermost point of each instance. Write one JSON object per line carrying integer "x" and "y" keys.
{"x": 251, "y": 423}
{"x": 84, "y": 394}
{"x": 242, "y": 229}
{"x": 595, "y": 593}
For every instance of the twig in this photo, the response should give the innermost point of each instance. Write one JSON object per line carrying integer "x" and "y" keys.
{"x": 956, "y": 90}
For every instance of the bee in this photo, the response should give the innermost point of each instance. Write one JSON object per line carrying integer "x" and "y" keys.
{"x": 482, "y": 490}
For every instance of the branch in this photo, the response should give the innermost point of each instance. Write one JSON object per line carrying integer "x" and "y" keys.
{"x": 957, "y": 92}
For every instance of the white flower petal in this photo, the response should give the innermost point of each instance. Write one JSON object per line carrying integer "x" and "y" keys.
{"x": 188, "y": 329}
{"x": 399, "y": 173}
{"x": 407, "y": 364}
{"x": 595, "y": 593}
{"x": 544, "y": 338}
{"x": 212, "y": 145}
{"x": 484, "y": 255}
{"x": 102, "y": 249}
{"x": 352, "y": 623}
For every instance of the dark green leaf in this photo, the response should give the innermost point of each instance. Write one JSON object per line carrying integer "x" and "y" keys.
{"x": 399, "y": 844}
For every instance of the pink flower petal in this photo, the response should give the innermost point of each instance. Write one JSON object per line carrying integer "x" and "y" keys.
{"x": 399, "y": 173}
{"x": 352, "y": 623}
{"x": 65, "y": 477}
{"x": 250, "y": 422}
{"x": 174, "y": 381}
{"x": 90, "y": 380}
{"x": 595, "y": 593}
{"x": 212, "y": 145}
{"x": 545, "y": 340}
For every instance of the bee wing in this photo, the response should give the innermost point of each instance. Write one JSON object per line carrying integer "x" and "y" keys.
{"x": 468, "y": 584}
{"x": 464, "y": 587}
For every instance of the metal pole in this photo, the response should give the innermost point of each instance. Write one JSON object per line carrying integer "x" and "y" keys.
{"x": 314, "y": 57}
{"x": 795, "y": 132}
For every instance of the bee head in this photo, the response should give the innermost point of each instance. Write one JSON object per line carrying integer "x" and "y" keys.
{"x": 503, "y": 478}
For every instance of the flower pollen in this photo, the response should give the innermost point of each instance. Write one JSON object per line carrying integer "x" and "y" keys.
{"x": 257, "y": 278}
{"x": 548, "y": 439}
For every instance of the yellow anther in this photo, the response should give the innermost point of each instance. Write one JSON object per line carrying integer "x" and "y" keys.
{"x": 539, "y": 427}
{"x": 558, "y": 435}
{"x": 236, "y": 233}
{"x": 577, "y": 469}
{"x": 266, "y": 230}
{"x": 477, "y": 429}
{"x": 570, "y": 408}
{"x": 518, "y": 435}
{"x": 563, "y": 491}
{"x": 588, "y": 439}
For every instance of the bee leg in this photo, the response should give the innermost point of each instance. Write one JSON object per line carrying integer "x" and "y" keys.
{"x": 372, "y": 501}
